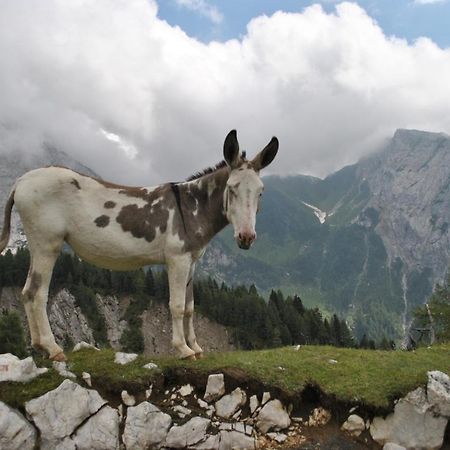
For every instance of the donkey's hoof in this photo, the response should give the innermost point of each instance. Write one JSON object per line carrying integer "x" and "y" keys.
{"x": 189, "y": 357}
{"x": 199, "y": 355}
{"x": 60, "y": 357}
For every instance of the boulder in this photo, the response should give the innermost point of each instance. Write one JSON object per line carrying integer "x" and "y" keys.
{"x": 14, "y": 369}
{"x": 127, "y": 398}
{"x": 100, "y": 432}
{"x": 392, "y": 446}
{"x": 210, "y": 443}
{"x": 229, "y": 404}
{"x": 438, "y": 393}
{"x": 215, "y": 387}
{"x": 145, "y": 426}
{"x": 319, "y": 417}
{"x": 277, "y": 437}
{"x": 236, "y": 441}
{"x": 16, "y": 433}
{"x": 273, "y": 416}
{"x": 59, "y": 412}
{"x": 354, "y": 425}
{"x": 150, "y": 366}
{"x": 254, "y": 403}
{"x": 189, "y": 434}
{"x": 124, "y": 358}
{"x": 185, "y": 390}
{"x": 82, "y": 345}
{"x": 412, "y": 424}
{"x": 61, "y": 368}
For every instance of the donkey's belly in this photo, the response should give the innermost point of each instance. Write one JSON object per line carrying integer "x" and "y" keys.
{"x": 119, "y": 252}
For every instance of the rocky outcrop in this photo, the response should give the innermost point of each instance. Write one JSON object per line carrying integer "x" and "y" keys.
{"x": 16, "y": 433}
{"x": 58, "y": 413}
{"x": 14, "y": 369}
{"x": 419, "y": 420}
{"x": 145, "y": 426}
{"x": 76, "y": 418}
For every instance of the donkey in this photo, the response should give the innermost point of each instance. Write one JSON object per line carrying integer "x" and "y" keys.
{"x": 123, "y": 228}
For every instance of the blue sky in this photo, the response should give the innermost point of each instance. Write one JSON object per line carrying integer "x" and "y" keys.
{"x": 226, "y": 19}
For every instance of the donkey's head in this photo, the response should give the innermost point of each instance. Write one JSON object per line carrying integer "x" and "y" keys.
{"x": 244, "y": 187}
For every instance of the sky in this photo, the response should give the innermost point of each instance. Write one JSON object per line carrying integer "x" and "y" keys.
{"x": 145, "y": 91}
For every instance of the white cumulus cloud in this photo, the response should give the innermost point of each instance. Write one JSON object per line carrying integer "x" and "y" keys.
{"x": 203, "y": 8}
{"x": 141, "y": 102}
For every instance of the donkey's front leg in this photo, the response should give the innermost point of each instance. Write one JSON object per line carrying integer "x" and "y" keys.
{"x": 189, "y": 315}
{"x": 178, "y": 271}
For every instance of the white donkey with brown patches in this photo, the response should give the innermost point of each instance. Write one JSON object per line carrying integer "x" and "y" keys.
{"x": 123, "y": 228}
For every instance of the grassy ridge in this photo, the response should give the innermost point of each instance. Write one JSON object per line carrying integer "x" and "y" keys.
{"x": 373, "y": 378}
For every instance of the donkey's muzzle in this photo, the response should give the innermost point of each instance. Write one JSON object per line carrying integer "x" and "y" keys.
{"x": 245, "y": 240}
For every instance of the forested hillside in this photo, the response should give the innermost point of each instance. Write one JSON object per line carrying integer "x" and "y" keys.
{"x": 254, "y": 322}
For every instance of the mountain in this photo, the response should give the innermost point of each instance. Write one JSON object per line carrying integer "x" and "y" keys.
{"x": 369, "y": 241}
{"x": 15, "y": 164}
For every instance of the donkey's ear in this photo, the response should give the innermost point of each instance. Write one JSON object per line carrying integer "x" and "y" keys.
{"x": 266, "y": 156}
{"x": 231, "y": 149}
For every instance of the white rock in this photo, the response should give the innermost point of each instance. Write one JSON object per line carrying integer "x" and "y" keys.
{"x": 146, "y": 426}
{"x": 278, "y": 437}
{"x": 150, "y": 366}
{"x": 332, "y": 361}
{"x": 185, "y": 390}
{"x": 61, "y": 368}
{"x": 202, "y": 403}
{"x": 438, "y": 393}
{"x": 59, "y": 412}
{"x": 354, "y": 425}
{"x": 87, "y": 378}
{"x": 191, "y": 433}
{"x": 148, "y": 392}
{"x": 265, "y": 398}
{"x": 319, "y": 417}
{"x": 210, "y": 443}
{"x": 182, "y": 410}
{"x": 82, "y": 345}
{"x": 16, "y": 433}
{"x": 273, "y": 416}
{"x": 236, "y": 441}
{"x": 127, "y": 398}
{"x": 229, "y": 404}
{"x": 392, "y": 446}
{"x": 14, "y": 369}
{"x": 100, "y": 432}
{"x": 215, "y": 387}
{"x": 124, "y": 358}
{"x": 412, "y": 424}
{"x": 254, "y": 403}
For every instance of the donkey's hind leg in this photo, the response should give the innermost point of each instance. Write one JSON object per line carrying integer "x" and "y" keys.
{"x": 189, "y": 316}
{"x": 179, "y": 268}
{"x": 35, "y": 295}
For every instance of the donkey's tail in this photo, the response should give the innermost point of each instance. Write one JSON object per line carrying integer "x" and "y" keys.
{"x": 4, "y": 238}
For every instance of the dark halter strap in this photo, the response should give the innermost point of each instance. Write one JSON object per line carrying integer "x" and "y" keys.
{"x": 176, "y": 193}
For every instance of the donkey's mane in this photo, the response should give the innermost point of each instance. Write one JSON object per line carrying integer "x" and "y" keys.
{"x": 207, "y": 171}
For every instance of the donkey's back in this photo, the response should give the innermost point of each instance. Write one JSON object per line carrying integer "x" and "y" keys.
{"x": 99, "y": 220}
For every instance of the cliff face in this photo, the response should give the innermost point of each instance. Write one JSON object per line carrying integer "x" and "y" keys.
{"x": 410, "y": 188}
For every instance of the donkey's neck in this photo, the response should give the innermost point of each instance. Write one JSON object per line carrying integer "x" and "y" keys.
{"x": 201, "y": 208}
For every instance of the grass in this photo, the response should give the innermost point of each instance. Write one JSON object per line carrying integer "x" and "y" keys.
{"x": 373, "y": 378}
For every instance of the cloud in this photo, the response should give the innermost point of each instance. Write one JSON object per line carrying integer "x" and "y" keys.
{"x": 203, "y": 8}
{"x": 140, "y": 102}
